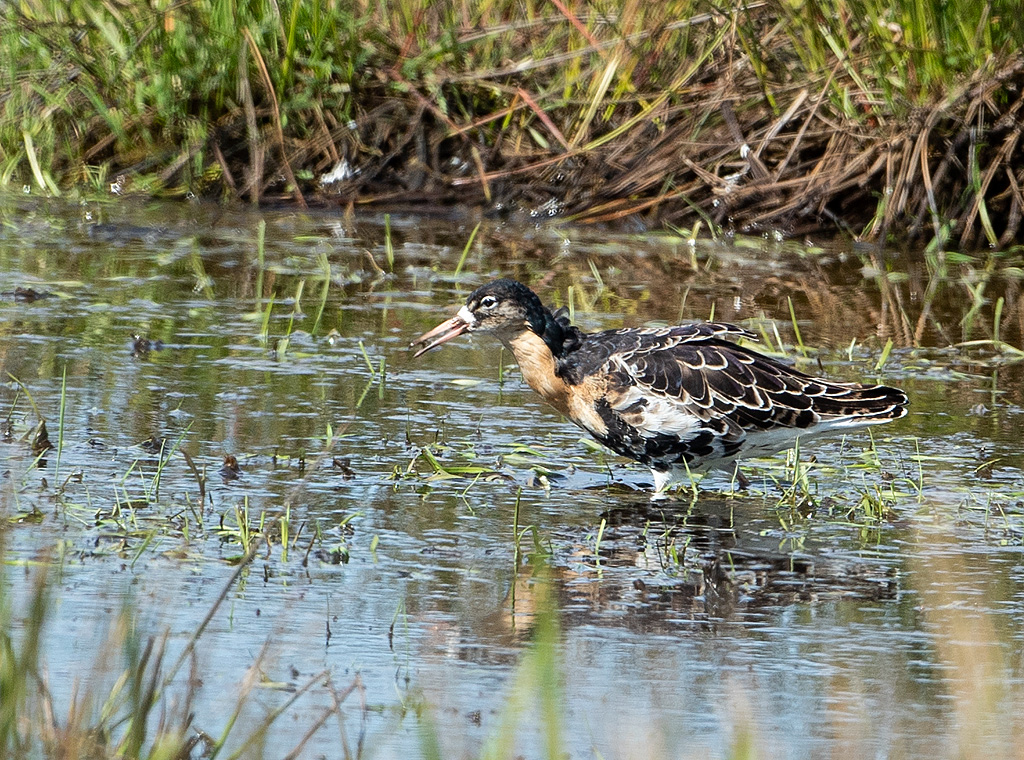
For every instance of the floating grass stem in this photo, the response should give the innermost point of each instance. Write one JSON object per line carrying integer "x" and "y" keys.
{"x": 682, "y": 304}
{"x": 146, "y": 541}
{"x": 264, "y": 336}
{"x": 33, "y": 160}
{"x": 165, "y": 457}
{"x": 466, "y": 250}
{"x": 28, "y": 395}
{"x": 366, "y": 358}
{"x": 796, "y": 327}
{"x": 365, "y": 392}
{"x": 204, "y": 282}
{"x": 597, "y": 546}
{"x": 281, "y": 350}
{"x": 516, "y": 537}
{"x": 885, "y": 355}
{"x": 597, "y": 278}
{"x": 60, "y": 423}
{"x": 261, "y": 245}
{"x": 325, "y": 268}
{"x": 389, "y": 248}
{"x": 996, "y": 320}
{"x": 778, "y": 339}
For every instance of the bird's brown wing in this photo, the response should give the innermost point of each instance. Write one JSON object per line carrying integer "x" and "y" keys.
{"x": 688, "y": 394}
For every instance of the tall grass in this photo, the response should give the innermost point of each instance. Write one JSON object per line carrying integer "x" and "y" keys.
{"x": 144, "y": 714}
{"x": 857, "y": 112}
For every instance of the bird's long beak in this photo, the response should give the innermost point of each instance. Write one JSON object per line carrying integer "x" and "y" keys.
{"x": 444, "y": 332}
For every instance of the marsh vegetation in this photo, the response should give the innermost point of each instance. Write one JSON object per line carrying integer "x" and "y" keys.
{"x": 892, "y": 121}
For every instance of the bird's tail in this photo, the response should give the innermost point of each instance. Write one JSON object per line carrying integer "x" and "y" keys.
{"x": 853, "y": 405}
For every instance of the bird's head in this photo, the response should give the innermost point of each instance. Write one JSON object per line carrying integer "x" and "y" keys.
{"x": 503, "y": 308}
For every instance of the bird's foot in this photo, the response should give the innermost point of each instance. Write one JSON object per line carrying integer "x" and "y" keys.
{"x": 740, "y": 480}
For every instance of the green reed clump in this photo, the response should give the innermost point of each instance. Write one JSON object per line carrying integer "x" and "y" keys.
{"x": 174, "y": 93}
{"x": 875, "y": 116}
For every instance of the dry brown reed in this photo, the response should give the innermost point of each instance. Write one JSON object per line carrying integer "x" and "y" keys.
{"x": 893, "y": 121}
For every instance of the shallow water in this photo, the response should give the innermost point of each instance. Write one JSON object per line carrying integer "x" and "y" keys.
{"x": 875, "y": 608}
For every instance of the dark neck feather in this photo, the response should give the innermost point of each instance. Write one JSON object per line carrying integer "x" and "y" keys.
{"x": 558, "y": 333}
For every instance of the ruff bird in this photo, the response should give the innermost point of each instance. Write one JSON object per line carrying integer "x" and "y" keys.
{"x": 678, "y": 399}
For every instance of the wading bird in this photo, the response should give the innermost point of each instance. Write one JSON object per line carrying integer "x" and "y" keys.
{"x": 677, "y": 399}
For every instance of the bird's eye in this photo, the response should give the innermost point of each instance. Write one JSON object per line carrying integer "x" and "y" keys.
{"x": 488, "y": 302}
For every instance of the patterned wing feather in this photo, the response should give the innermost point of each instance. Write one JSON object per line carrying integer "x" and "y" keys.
{"x": 685, "y": 394}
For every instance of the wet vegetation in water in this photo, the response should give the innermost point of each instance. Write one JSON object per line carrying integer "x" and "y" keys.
{"x": 252, "y": 525}
{"x": 888, "y": 120}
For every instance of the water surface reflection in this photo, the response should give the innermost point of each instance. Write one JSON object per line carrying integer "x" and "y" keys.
{"x": 864, "y": 600}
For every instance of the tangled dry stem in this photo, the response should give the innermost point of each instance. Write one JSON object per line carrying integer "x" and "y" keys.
{"x": 741, "y": 117}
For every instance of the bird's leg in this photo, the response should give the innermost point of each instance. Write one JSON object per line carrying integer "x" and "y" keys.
{"x": 662, "y": 480}
{"x": 739, "y": 478}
